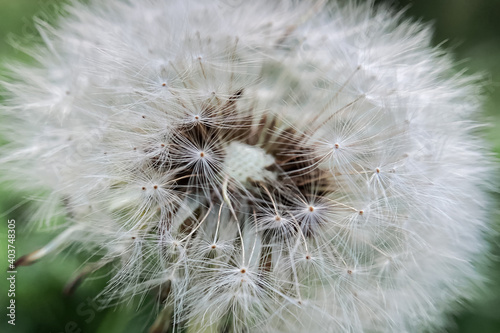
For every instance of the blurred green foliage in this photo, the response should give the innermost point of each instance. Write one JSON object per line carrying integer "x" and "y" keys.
{"x": 472, "y": 31}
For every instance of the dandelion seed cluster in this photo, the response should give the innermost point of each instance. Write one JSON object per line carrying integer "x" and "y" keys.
{"x": 266, "y": 166}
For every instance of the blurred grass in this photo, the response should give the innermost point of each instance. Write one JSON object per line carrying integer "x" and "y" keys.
{"x": 472, "y": 29}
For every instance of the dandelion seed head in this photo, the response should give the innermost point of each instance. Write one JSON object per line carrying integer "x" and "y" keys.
{"x": 270, "y": 166}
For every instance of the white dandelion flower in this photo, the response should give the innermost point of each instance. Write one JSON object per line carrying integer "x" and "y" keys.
{"x": 268, "y": 166}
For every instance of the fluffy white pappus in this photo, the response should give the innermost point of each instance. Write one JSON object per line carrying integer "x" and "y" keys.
{"x": 265, "y": 166}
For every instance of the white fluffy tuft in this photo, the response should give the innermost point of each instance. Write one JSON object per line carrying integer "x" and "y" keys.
{"x": 272, "y": 166}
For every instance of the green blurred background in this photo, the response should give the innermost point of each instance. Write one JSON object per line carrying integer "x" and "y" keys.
{"x": 471, "y": 29}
